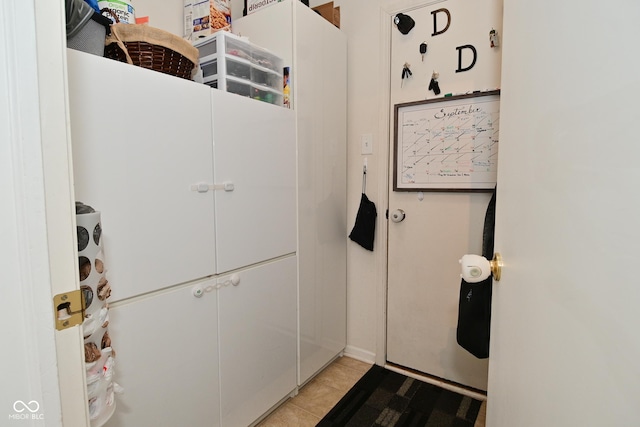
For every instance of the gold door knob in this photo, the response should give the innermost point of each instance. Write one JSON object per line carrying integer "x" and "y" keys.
{"x": 496, "y": 266}
{"x": 476, "y": 268}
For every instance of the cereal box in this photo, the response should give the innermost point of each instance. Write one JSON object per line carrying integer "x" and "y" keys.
{"x": 206, "y": 17}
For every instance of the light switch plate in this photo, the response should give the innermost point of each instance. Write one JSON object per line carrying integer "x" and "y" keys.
{"x": 367, "y": 143}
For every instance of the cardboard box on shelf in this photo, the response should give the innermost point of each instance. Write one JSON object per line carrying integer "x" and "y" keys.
{"x": 253, "y": 6}
{"x": 330, "y": 13}
{"x": 205, "y": 17}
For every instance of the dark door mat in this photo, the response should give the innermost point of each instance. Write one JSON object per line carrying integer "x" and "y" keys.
{"x": 386, "y": 398}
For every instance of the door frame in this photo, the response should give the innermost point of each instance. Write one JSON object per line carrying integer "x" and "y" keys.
{"x": 42, "y": 204}
{"x": 382, "y": 257}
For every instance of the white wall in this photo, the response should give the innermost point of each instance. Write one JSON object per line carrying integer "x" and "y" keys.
{"x": 359, "y": 19}
{"x": 168, "y": 17}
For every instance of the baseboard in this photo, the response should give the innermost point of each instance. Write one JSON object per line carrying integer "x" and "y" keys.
{"x": 360, "y": 354}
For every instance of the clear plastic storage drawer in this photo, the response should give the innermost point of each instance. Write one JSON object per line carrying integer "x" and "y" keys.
{"x": 209, "y": 68}
{"x": 266, "y": 96}
{"x": 267, "y": 78}
{"x": 238, "y": 69}
{"x": 238, "y": 48}
{"x": 239, "y": 88}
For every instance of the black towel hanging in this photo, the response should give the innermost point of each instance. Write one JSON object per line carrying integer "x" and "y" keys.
{"x": 474, "y": 307}
{"x": 363, "y": 231}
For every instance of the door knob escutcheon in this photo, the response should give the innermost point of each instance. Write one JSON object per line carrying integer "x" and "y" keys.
{"x": 496, "y": 266}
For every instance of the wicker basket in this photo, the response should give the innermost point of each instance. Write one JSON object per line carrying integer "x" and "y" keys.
{"x": 151, "y": 48}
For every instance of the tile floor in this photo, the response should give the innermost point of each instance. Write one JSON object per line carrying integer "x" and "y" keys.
{"x": 318, "y": 396}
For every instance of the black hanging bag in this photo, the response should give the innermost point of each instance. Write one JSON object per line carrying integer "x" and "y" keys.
{"x": 474, "y": 308}
{"x": 364, "y": 230}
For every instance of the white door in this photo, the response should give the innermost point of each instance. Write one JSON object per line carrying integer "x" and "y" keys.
{"x": 565, "y": 346}
{"x": 423, "y": 270}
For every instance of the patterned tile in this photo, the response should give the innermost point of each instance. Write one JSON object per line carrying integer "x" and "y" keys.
{"x": 317, "y": 398}
{"x": 289, "y": 415}
{"x": 482, "y": 415}
{"x": 351, "y": 363}
{"x": 339, "y": 377}
{"x": 321, "y": 394}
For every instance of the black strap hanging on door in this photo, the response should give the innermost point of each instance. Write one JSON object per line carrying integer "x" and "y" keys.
{"x": 474, "y": 307}
{"x": 363, "y": 231}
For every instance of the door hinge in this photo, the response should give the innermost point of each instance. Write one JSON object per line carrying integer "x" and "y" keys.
{"x": 69, "y": 308}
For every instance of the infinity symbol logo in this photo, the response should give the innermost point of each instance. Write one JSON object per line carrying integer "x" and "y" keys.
{"x": 19, "y": 403}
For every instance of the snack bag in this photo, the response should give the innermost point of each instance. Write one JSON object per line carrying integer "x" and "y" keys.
{"x": 118, "y": 11}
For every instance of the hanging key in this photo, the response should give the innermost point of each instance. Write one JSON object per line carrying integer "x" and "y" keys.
{"x": 423, "y": 50}
{"x": 406, "y": 73}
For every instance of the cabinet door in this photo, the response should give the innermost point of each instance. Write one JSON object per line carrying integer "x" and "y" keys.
{"x": 321, "y": 102}
{"x": 140, "y": 140}
{"x": 166, "y": 360}
{"x": 317, "y": 52}
{"x": 254, "y": 145}
{"x": 257, "y": 340}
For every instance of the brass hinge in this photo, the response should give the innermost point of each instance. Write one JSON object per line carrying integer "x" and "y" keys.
{"x": 69, "y": 308}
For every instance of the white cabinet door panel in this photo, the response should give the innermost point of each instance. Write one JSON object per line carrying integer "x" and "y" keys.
{"x": 134, "y": 161}
{"x": 322, "y": 223}
{"x": 257, "y": 340}
{"x": 316, "y": 50}
{"x": 254, "y": 145}
{"x": 166, "y": 360}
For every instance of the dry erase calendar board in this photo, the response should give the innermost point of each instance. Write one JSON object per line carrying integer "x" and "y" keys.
{"x": 447, "y": 144}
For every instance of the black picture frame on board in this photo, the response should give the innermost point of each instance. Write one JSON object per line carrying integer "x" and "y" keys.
{"x": 447, "y": 144}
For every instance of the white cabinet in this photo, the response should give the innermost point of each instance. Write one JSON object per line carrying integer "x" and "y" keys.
{"x": 139, "y": 162}
{"x": 140, "y": 139}
{"x": 317, "y": 54}
{"x": 257, "y": 340}
{"x": 191, "y": 183}
{"x": 167, "y": 360}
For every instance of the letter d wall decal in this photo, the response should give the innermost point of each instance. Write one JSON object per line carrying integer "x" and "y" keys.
{"x": 475, "y": 56}
{"x": 435, "y": 21}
